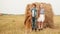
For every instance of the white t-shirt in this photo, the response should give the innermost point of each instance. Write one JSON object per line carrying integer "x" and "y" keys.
{"x": 33, "y": 13}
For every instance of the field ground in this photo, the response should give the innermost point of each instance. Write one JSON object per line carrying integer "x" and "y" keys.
{"x": 14, "y": 24}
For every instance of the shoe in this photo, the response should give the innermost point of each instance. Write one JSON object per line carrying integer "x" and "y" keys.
{"x": 39, "y": 29}
{"x": 35, "y": 29}
{"x": 32, "y": 29}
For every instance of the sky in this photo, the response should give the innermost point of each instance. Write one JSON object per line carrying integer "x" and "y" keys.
{"x": 18, "y": 6}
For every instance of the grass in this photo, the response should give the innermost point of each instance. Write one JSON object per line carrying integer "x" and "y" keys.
{"x": 11, "y": 24}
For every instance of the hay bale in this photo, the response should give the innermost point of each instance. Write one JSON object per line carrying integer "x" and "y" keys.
{"x": 48, "y": 13}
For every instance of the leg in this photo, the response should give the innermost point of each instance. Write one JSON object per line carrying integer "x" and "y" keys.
{"x": 42, "y": 21}
{"x": 33, "y": 23}
{"x": 36, "y": 24}
{"x": 41, "y": 25}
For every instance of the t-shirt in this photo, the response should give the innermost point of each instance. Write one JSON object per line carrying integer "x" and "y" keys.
{"x": 42, "y": 11}
{"x": 34, "y": 12}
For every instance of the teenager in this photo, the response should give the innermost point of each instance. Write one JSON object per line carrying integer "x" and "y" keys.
{"x": 41, "y": 17}
{"x": 34, "y": 14}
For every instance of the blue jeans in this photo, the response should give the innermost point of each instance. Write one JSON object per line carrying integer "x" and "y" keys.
{"x": 34, "y": 23}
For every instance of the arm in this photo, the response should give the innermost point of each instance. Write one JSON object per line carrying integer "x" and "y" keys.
{"x": 37, "y": 13}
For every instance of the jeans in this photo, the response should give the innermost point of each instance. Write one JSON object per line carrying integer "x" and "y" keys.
{"x": 34, "y": 23}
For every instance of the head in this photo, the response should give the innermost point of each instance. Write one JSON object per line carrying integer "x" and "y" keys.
{"x": 33, "y": 5}
{"x": 41, "y": 6}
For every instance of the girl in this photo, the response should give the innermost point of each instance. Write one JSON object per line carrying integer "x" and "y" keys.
{"x": 41, "y": 17}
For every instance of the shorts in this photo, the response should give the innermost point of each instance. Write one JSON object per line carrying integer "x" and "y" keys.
{"x": 41, "y": 18}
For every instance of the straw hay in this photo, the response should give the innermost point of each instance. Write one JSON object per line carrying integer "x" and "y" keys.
{"x": 48, "y": 14}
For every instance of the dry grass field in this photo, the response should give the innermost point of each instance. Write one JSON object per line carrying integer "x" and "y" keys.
{"x": 14, "y": 24}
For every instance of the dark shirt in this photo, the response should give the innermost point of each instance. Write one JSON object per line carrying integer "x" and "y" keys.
{"x": 34, "y": 12}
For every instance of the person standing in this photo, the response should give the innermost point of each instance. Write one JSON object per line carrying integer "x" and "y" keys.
{"x": 34, "y": 14}
{"x": 41, "y": 17}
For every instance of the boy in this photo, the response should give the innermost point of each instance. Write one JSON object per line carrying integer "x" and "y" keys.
{"x": 34, "y": 14}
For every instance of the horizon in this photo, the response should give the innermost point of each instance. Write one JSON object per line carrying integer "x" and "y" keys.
{"x": 18, "y": 6}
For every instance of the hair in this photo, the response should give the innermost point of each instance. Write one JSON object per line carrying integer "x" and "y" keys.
{"x": 34, "y": 4}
